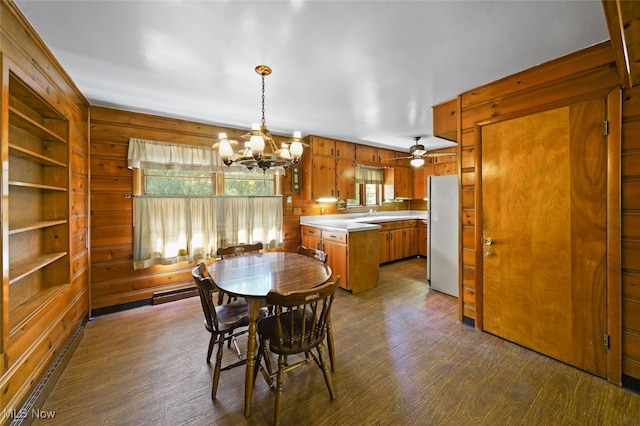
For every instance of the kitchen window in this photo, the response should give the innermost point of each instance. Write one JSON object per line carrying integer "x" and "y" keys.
{"x": 369, "y": 182}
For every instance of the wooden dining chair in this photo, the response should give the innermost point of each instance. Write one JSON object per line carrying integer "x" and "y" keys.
{"x": 222, "y": 321}
{"x": 298, "y": 326}
{"x": 322, "y": 256}
{"x": 319, "y": 255}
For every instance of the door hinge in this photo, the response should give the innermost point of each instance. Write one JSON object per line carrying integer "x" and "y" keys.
{"x": 606, "y": 341}
{"x": 606, "y": 128}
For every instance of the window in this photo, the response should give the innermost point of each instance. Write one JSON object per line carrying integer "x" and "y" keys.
{"x": 367, "y": 194}
{"x": 369, "y": 182}
{"x": 242, "y": 183}
{"x": 177, "y": 182}
{"x": 188, "y": 204}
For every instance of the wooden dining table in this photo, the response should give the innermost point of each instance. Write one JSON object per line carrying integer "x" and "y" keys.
{"x": 252, "y": 277}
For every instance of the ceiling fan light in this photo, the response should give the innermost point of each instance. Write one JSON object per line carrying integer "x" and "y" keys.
{"x": 417, "y": 162}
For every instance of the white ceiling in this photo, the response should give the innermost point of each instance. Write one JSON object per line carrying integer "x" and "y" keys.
{"x": 361, "y": 71}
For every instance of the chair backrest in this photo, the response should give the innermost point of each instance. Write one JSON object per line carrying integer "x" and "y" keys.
{"x": 319, "y": 255}
{"x": 237, "y": 250}
{"x": 301, "y": 316}
{"x": 206, "y": 287}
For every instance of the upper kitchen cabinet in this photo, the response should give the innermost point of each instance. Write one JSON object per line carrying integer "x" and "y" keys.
{"x": 332, "y": 168}
{"x": 366, "y": 155}
{"x": 445, "y": 120}
{"x": 386, "y": 157}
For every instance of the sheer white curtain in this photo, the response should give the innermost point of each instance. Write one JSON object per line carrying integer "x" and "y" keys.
{"x": 173, "y": 229}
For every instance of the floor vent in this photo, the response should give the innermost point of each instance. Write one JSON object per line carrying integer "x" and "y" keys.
{"x": 30, "y": 410}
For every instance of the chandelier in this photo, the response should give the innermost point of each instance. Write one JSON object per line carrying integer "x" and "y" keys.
{"x": 253, "y": 153}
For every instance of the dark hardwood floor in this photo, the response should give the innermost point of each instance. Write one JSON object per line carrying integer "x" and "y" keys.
{"x": 403, "y": 358}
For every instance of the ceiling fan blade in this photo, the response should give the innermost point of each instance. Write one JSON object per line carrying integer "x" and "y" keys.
{"x": 439, "y": 154}
{"x": 399, "y": 158}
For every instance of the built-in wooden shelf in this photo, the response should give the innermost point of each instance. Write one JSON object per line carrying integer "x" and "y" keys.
{"x": 34, "y": 226}
{"x": 17, "y": 272}
{"x": 25, "y": 123}
{"x": 36, "y": 186}
{"x": 21, "y": 314}
{"x": 20, "y": 152}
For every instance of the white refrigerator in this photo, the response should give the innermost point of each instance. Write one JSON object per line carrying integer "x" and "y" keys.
{"x": 442, "y": 229}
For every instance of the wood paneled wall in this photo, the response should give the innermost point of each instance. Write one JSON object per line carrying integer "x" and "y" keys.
{"x": 114, "y": 281}
{"x": 630, "y": 228}
{"x": 576, "y": 77}
{"x": 41, "y": 342}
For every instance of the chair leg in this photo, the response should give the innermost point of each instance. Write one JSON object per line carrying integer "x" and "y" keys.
{"x": 326, "y": 373}
{"x": 281, "y": 366}
{"x": 332, "y": 354}
{"x": 212, "y": 342}
{"x": 216, "y": 370}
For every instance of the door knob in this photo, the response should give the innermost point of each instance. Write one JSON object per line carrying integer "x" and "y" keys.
{"x": 489, "y": 241}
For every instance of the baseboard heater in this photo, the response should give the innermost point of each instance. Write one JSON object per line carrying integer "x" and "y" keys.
{"x": 170, "y": 296}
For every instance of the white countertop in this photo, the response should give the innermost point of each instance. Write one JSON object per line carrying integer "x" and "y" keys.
{"x": 353, "y": 222}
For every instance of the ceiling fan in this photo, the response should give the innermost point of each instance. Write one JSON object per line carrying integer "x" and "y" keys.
{"x": 418, "y": 153}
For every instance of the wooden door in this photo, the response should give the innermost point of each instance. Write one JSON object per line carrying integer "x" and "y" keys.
{"x": 544, "y": 211}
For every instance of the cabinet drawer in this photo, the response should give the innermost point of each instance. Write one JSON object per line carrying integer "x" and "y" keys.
{"x": 389, "y": 226}
{"x": 311, "y": 232}
{"x": 409, "y": 223}
{"x": 334, "y": 236}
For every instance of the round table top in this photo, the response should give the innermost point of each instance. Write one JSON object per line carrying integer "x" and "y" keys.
{"x": 254, "y": 275}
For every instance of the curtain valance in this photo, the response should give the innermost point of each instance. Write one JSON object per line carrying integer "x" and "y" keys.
{"x": 148, "y": 154}
{"x": 374, "y": 175}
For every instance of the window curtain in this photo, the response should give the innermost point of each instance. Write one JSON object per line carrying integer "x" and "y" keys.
{"x": 170, "y": 230}
{"x": 148, "y": 154}
{"x": 373, "y": 175}
{"x": 174, "y": 229}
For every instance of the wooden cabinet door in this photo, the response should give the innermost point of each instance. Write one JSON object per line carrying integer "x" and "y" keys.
{"x": 544, "y": 200}
{"x": 366, "y": 155}
{"x": 323, "y": 177}
{"x": 345, "y": 150}
{"x": 396, "y": 244}
{"x": 409, "y": 242}
{"x": 402, "y": 183}
{"x": 420, "y": 182}
{"x": 345, "y": 178}
{"x": 384, "y": 246}
{"x": 337, "y": 261}
{"x": 322, "y": 146}
{"x": 385, "y": 157}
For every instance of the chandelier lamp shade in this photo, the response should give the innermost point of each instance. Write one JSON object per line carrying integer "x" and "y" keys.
{"x": 259, "y": 149}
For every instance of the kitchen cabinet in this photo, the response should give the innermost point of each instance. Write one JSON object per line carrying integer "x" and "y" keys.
{"x": 420, "y": 181}
{"x": 352, "y": 255}
{"x": 386, "y": 157}
{"x": 367, "y": 155}
{"x": 397, "y": 240}
{"x": 402, "y": 182}
{"x": 332, "y": 168}
{"x": 445, "y": 120}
